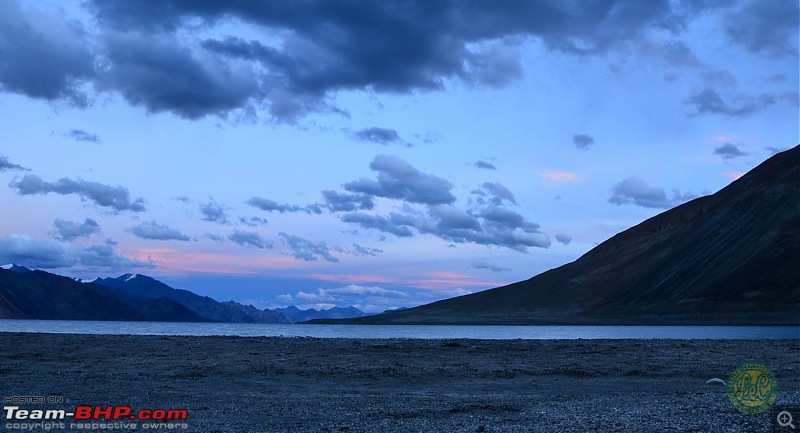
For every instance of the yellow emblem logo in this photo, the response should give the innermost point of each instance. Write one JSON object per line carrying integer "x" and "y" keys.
{"x": 752, "y": 388}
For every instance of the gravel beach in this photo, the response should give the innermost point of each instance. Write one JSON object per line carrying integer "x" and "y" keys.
{"x": 255, "y": 384}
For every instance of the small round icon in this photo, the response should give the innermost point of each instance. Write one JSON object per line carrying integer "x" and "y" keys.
{"x": 785, "y": 419}
{"x": 752, "y": 388}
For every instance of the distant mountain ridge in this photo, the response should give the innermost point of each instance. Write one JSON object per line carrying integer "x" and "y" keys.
{"x": 147, "y": 287}
{"x": 729, "y": 258}
{"x": 42, "y": 295}
{"x": 27, "y": 294}
{"x": 15, "y": 268}
{"x": 332, "y": 313}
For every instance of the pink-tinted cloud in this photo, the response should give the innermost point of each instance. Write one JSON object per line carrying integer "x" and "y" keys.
{"x": 174, "y": 261}
{"x": 733, "y": 175}
{"x": 425, "y": 280}
{"x": 559, "y": 176}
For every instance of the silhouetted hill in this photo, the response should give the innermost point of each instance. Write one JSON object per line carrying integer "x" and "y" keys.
{"x": 147, "y": 287}
{"x": 729, "y": 258}
{"x": 42, "y": 295}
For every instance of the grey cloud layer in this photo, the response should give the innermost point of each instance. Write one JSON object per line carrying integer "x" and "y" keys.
{"x": 114, "y": 197}
{"x": 496, "y": 192}
{"x": 5, "y": 165}
{"x": 303, "y": 249}
{"x": 582, "y": 141}
{"x": 154, "y": 231}
{"x": 729, "y": 151}
{"x": 69, "y": 230}
{"x": 318, "y": 48}
{"x": 52, "y": 57}
{"x": 492, "y": 226}
{"x": 636, "y": 191}
{"x": 248, "y": 239}
{"x": 35, "y": 253}
{"x": 489, "y": 267}
{"x": 382, "y": 136}
{"x": 81, "y": 135}
{"x": 213, "y": 212}
{"x": 485, "y": 165}
{"x": 709, "y": 101}
{"x": 564, "y": 239}
{"x": 268, "y": 205}
{"x": 768, "y": 27}
{"x": 489, "y": 222}
{"x": 397, "y": 179}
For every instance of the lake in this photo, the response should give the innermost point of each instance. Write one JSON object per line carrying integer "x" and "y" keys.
{"x": 402, "y": 331}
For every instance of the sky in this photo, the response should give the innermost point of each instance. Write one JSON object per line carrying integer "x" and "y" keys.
{"x": 376, "y": 154}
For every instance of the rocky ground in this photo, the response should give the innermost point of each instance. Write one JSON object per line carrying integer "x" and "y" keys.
{"x": 236, "y": 384}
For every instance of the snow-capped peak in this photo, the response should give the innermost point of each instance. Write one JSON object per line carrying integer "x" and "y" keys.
{"x": 130, "y": 277}
{"x": 15, "y": 267}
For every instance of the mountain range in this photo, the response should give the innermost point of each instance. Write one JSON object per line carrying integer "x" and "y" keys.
{"x": 728, "y": 258}
{"x": 36, "y": 294}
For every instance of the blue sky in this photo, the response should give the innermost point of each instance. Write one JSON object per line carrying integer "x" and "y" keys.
{"x": 379, "y": 154}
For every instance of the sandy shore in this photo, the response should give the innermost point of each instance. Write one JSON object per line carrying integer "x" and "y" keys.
{"x": 234, "y": 384}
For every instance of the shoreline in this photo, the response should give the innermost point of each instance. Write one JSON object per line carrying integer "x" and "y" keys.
{"x": 301, "y": 384}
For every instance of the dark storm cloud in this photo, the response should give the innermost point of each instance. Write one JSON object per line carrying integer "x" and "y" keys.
{"x": 489, "y": 267}
{"x": 382, "y": 136}
{"x": 564, "y": 239}
{"x": 45, "y": 56}
{"x": 213, "y": 212}
{"x": 150, "y": 54}
{"x": 397, "y": 179}
{"x": 251, "y": 239}
{"x": 729, "y": 151}
{"x": 154, "y": 231}
{"x": 582, "y": 141}
{"x": 69, "y": 230}
{"x": 35, "y": 253}
{"x": 339, "y": 202}
{"x": 708, "y": 101}
{"x": 268, "y": 205}
{"x": 81, "y": 135}
{"x": 114, "y": 197}
{"x": 5, "y": 165}
{"x": 303, "y": 249}
{"x": 768, "y": 27}
{"x": 161, "y": 75}
{"x": 309, "y": 51}
{"x": 636, "y": 191}
{"x": 376, "y": 222}
{"x": 485, "y": 165}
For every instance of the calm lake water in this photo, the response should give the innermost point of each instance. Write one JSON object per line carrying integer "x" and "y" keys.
{"x": 401, "y": 331}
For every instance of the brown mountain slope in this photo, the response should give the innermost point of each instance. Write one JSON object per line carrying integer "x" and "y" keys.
{"x": 729, "y": 258}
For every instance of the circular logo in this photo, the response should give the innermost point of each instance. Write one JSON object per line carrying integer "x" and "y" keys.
{"x": 752, "y": 388}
